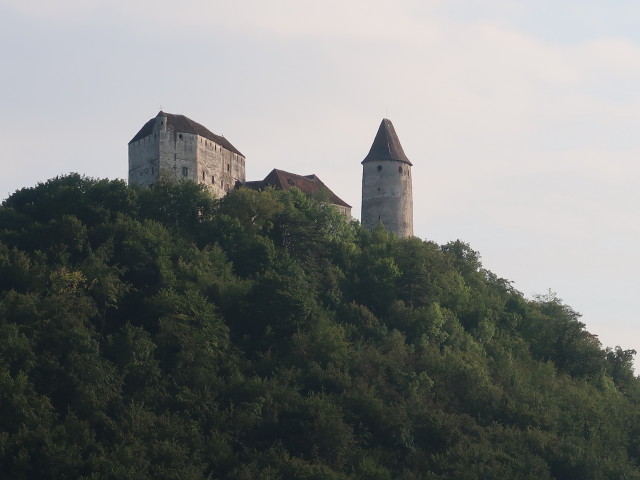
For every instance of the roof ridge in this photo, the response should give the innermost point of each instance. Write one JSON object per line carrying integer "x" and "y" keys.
{"x": 182, "y": 123}
{"x": 308, "y": 184}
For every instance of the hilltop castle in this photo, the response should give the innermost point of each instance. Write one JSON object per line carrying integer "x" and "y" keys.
{"x": 176, "y": 146}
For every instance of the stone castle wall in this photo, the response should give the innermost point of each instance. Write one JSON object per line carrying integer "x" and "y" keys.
{"x": 144, "y": 168}
{"x": 387, "y": 196}
{"x": 218, "y": 168}
{"x": 184, "y": 156}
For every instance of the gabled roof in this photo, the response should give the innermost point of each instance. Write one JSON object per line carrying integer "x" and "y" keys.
{"x": 386, "y": 145}
{"x": 309, "y": 184}
{"x": 182, "y": 124}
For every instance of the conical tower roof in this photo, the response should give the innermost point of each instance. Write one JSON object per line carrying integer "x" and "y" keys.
{"x": 386, "y": 145}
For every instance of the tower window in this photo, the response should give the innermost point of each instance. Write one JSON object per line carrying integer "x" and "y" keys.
{"x": 185, "y": 171}
{"x": 228, "y": 167}
{"x": 379, "y": 168}
{"x": 399, "y": 169}
{"x": 213, "y": 179}
{"x": 180, "y": 136}
{"x": 203, "y": 176}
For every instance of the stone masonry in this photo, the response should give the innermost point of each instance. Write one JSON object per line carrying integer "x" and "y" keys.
{"x": 178, "y": 147}
{"x": 387, "y": 195}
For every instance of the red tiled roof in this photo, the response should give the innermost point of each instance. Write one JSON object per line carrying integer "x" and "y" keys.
{"x": 309, "y": 184}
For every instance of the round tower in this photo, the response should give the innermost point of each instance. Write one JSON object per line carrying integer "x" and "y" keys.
{"x": 386, "y": 184}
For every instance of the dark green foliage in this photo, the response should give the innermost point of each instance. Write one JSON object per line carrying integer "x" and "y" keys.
{"x": 161, "y": 333}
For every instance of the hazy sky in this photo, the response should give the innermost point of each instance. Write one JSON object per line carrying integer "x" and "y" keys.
{"x": 521, "y": 117}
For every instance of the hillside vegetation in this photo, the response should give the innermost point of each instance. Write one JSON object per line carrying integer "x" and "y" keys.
{"x": 163, "y": 334}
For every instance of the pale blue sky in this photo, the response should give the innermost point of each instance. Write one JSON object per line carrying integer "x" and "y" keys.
{"x": 521, "y": 118}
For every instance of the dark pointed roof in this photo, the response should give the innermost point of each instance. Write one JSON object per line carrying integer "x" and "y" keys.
{"x": 180, "y": 123}
{"x": 309, "y": 184}
{"x": 386, "y": 145}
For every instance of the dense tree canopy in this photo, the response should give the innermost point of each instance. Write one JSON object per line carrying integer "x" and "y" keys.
{"x": 159, "y": 333}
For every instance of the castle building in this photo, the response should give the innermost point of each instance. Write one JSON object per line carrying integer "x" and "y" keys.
{"x": 178, "y": 147}
{"x": 386, "y": 184}
{"x": 310, "y": 185}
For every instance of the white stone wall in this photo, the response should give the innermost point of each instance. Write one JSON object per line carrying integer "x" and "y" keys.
{"x": 346, "y": 211}
{"x": 178, "y": 154}
{"x": 387, "y": 196}
{"x": 218, "y": 168}
{"x": 143, "y": 161}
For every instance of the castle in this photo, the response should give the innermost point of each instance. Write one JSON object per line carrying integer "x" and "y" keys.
{"x": 177, "y": 147}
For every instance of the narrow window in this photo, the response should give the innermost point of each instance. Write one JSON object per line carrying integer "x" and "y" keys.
{"x": 379, "y": 168}
{"x": 203, "y": 176}
{"x": 185, "y": 171}
{"x": 399, "y": 169}
{"x": 213, "y": 179}
{"x": 180, "y": 136}
{"x": 229, "y": 168}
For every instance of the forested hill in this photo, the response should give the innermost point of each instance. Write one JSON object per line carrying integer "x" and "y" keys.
{"x": 162, "y": 334}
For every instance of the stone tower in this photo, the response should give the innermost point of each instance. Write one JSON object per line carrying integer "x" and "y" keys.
{"x": 386, "y": 184}
{"x": 177, "y": 147}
